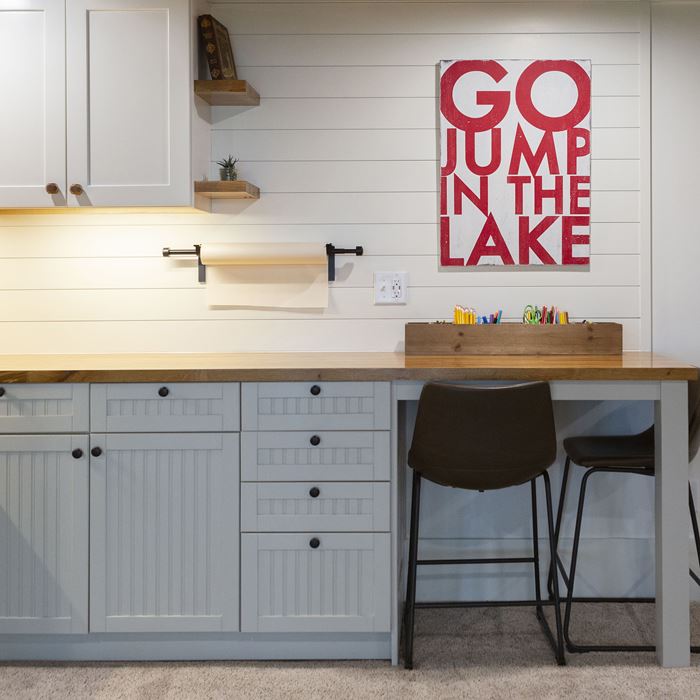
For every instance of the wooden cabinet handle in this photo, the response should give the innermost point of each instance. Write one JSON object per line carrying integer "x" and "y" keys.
{"x": 77, "y": 190}
{"x": 52, "y": 188}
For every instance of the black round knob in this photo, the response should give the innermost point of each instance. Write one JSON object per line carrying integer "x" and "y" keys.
{"x": 77, "y": 453}
{"x": 96, "y": 451}
{"x": 2, "y": 391}
{"x": 315, "y": 492}
{"x": 314, "y": 543}
{"x": 163, "y": 391}
{"x": 315, "y": 440}
{"x": 315, "y": 389}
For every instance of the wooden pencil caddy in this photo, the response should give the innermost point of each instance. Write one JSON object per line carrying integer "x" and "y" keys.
{"x": 513, "y": 339}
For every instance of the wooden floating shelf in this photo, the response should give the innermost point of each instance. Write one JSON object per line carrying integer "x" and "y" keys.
{"x": 226, "y": 189}
{"x": 227, "y": 92}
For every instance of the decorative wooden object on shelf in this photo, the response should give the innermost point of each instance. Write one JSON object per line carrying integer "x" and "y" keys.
{"x": 513, "y": 339}
{"x": 226, "y": 189}
{"x": 227, "y": 92}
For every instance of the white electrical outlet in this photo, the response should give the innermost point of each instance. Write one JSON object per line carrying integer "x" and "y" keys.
{"x": 390, "y": 287}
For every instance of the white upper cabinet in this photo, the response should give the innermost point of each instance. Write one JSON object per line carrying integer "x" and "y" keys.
{"x": 97, "y": 103}
{"x": 128, "y": 102}
{"x": 33, "y": 114}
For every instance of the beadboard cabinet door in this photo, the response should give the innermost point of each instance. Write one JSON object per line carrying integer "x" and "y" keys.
{"x": 32, "y": 117}
{"x": 43, "y": 534}
{"x": 164, "y": 543}
{"x": 128, "y": 102}
{"x": 332, "y": 582}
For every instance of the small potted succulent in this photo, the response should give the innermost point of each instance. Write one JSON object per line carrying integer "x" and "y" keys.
{"x": 228, "y": 168}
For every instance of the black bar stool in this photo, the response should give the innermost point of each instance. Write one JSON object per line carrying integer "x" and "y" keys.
{"x": 617, "y": 454}
{"x": 481, "y": 439}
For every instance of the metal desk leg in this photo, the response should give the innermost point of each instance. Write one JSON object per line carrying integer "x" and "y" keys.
{"x": 672, "y": 590}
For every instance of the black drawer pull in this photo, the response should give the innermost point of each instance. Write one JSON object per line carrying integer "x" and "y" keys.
{"x": 2, "y": 391}
{"x": 315, "y": 440}
{"x": 163, "y": 391}
{"x": 315, "y": 492}
{"x": 314, "y": 543}
{"x": 77, "y": 453}
{"x": 315, "y": 390}
{"x": 96, "y": 451}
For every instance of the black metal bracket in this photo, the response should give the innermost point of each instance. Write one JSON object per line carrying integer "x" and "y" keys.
{"x": 332, "y": 251}
{"x": 196, "y": 250}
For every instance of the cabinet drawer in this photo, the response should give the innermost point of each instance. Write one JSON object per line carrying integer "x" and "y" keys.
{"x": 175, "y": 407}
{"x": 44, "y": 408}
{"x": 321, "y": 507}
{"x": 316, "y": 406}
{"x": 343, "y": 585}
{"x": 315, "y": 456}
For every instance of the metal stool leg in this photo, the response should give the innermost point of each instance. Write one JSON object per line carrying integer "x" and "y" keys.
{"x": 561, "y": 660}
{"x": 536, "y": 546}
{"x": 696, "y": 531}
{"x": 696, "y": 537}
{"x": 556, "y": 643}
{"x": 555, "y": 563}
{"x": 570, "y": 645}
{"x": 410, "y": 611}
{"x": 574, "y": 557}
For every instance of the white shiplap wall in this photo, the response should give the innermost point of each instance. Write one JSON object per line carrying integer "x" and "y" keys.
{"x": 344, "y": 147}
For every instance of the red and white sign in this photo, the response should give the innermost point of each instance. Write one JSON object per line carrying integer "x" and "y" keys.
{"x": 515, "y": 162}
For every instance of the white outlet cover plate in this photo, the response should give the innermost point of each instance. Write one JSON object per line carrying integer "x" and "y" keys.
{"x": 390, "y": 287}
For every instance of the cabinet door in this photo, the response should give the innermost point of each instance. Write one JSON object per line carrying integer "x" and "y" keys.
{"x": 129, "y": 92}
{"x": 43, "y": 534}
{"x": 164, "y": 542}
{"x": 32, "y": 118}
{"x": 336, "y": 582}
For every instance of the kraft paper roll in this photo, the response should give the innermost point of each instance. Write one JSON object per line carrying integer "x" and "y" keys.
{"x": 289, "y": 275}
{"x": 263, "y": 254}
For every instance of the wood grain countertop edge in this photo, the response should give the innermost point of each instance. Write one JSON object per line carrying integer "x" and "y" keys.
{"x": 336, "y": 367}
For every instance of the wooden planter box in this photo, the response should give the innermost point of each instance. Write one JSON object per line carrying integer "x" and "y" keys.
{"x": 513, "y": 339}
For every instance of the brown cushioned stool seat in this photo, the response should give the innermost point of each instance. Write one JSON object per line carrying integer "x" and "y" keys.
{"x": 623, "y": 451}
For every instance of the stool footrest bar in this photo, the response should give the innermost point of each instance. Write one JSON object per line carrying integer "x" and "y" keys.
{"x": 483, "y": 604}
{"x": 489, "y": 560}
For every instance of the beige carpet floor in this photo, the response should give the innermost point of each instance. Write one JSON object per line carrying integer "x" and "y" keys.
{"x": 491, "y": 653}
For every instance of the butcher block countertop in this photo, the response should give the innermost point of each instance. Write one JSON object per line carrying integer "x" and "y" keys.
{"x": 336, "y": 366}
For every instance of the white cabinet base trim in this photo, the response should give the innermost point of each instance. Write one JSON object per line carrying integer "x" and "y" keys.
{"x": 184, "y": 647}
